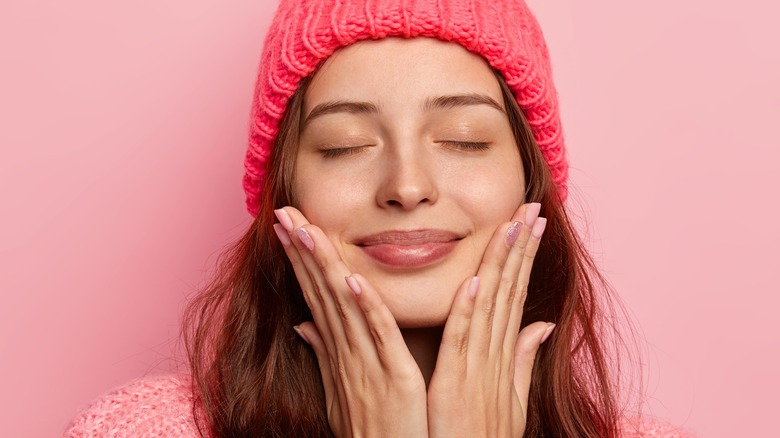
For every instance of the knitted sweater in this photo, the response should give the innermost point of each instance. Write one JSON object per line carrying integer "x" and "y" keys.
{"x": 162, "y": 407}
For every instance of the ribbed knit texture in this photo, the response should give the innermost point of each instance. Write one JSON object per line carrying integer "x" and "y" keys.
{"x": 306, "y": 32}
{"x": 155, "y": 407}
{"x": 162, "y": 407}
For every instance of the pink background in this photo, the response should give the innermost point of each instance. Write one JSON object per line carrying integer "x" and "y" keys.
{"x": 122, "y": 134}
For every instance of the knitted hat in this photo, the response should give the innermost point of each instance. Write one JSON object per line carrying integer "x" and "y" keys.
{"x": 306, "y": 32}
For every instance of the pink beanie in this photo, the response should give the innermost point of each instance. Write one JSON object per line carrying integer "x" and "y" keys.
{"x": 306, "y": 32}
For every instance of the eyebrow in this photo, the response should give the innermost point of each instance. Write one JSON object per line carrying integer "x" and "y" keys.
{"x": 340, "y": 106}
{"x": 457, "y": 100}
{"x": 430, "y": 104}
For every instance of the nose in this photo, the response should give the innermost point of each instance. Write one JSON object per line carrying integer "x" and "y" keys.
{"x": 408, "y": 181}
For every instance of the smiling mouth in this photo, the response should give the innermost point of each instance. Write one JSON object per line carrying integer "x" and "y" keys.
{"x": 409, "y": 249}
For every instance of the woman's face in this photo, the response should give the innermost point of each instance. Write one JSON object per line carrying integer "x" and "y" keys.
{"x": 407, "y": 162}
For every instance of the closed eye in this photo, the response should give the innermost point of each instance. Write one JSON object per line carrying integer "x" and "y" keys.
{"x": 340, "y": 152}
{"x": 468, "y": 145}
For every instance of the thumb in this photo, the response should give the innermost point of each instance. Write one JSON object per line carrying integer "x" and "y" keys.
{"x": 528, "y": 342}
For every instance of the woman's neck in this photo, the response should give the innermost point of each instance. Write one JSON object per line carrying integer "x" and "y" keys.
{"x": 424, "y": 343}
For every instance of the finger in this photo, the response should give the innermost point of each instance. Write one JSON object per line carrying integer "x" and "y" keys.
{"x": 313, "y": 300}
{"x": 510, "y": 291}
{"x": 524, "y": 356}
{"x": 489, "y": 273}
{"x": 331, "y": 327}
{"x": 284, "y": 230}
{"x": 301, "y": 274}
{"x": 392, "y": 352}
{"x": 455, "y": 338}
{"x": 523, "y": 278}
{"x": 328, "y": 272}
{"x": 283, "y": 233}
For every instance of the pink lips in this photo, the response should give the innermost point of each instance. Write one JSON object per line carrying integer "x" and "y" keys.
{"x": 409, "y": 249}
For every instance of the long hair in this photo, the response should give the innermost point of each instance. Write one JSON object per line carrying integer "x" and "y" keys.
{"x": 253, "y": 377}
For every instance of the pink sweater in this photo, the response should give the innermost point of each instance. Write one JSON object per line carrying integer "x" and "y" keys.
{"x": 162, "y": 407}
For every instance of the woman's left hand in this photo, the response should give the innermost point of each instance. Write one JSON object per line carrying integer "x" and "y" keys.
{"x": 480, "y": 385}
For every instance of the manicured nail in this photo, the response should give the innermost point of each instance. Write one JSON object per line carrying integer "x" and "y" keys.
{"x": 284, "y": 219}
{"x": 474, "y": 287}
{"x": 305, "y": 238}
{"x": 353, "y": 284}
{"x": 512, "y": 233}
{"x": 282, "y": 235}
{"x": 538, "y": 229}
{"x": 550, "y": 328}
{"x": 531, "y": 213}
{"x": 300, "y": 333}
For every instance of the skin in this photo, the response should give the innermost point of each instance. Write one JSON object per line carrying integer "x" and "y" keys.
{"x": 407, "y": 180}
{"x": 388, "y": 367}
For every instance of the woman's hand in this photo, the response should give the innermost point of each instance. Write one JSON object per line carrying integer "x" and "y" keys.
{"x": 373, "y": 386}
{"x": 480, "y": 385}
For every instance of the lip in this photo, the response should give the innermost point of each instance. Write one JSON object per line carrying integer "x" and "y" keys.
{"x": 409, "y": 249}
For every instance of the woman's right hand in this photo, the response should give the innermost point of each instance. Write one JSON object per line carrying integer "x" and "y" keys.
{"x": 373, "y": 386}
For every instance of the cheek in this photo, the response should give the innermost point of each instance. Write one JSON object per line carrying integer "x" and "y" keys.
{"x": 330, "y": 201}
{"x": 491, "y": 192}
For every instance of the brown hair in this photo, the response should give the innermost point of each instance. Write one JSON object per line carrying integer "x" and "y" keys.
{"x": 253, "y": 377}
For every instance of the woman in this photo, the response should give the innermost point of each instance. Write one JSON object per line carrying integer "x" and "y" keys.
{"x": 407, "y": 173}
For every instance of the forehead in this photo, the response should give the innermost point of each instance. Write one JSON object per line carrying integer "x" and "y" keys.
{"x": 395, "y": 72}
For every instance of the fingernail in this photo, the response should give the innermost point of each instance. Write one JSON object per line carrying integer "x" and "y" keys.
{"x": 512, "y": 233}
{"x": 538, "y": 229}
{"x": 547, "y": 334}
{"x": 474, "y": 287}
{"x": 532, "y": 213}
{"x": 284, "y": 219}
{"x": 353, "y": 284}
{"x": 300, "y": 333}
{"x": 305, "y": 238}
{"x": 282, "y": 235}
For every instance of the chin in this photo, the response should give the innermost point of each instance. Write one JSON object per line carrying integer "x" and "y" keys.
{"x": 418, "y": 299}
{"x": 419, "y": 313}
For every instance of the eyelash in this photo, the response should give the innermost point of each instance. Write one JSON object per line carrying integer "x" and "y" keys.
{"x": 467, "y": 145}
{"x": 340, "y": 152}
